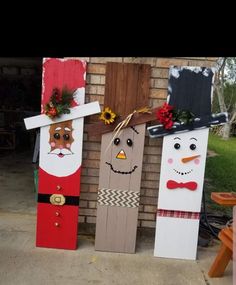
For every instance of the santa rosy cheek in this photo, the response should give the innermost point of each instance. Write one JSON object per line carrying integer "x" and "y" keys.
{"x": 68, "y": 145}
{"x": 52, "y": 144}
{"x": 170, "y": 160}
{"x": 196, "y": 161}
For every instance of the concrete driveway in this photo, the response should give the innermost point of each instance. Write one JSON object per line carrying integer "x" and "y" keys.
{"x": 23, "y": 263}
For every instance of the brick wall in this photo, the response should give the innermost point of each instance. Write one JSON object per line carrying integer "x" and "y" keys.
{"x": 152, "y": 151}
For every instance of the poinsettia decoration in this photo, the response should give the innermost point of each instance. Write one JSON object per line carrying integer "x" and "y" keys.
{"x": 167, "y": 115}
{"x": 59, "y": 103}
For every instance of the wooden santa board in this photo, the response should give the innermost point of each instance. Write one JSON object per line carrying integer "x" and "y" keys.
{"x": 183, "y": 163}
{"x": 127, "y": 89}
{"x": 60, "y": 155}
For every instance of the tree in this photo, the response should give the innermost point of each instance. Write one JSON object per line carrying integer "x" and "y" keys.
{"x": 225, "y": 91}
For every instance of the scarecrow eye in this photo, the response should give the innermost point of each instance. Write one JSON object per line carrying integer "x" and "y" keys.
{"x": 177, "y": 146}
{"x": 116, "y": 141}
{"x": 129, "y": 142}
{"x": 192, "y": 146}
{"x": 66, "y": 137}
{"x": 57, "y": 136}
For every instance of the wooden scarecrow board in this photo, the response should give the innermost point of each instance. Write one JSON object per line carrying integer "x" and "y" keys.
{"x": 127, "y": 89}
{"x": 60, "y": 160}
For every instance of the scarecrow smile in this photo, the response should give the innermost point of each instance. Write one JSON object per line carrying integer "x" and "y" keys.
{"x": 121, "y": 172}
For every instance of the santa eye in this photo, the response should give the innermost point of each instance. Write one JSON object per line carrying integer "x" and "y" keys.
{"x": 177, "y": 146}
{"x": 116, "y": 141}
{"x": 66, "y": 137}
{"x": 57, "y": 136}
{"x": 129, "y": 142}
{"x": 192, "y": 146}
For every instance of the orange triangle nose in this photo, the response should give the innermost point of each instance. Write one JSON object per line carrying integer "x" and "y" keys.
{"x": 121, "y": 154}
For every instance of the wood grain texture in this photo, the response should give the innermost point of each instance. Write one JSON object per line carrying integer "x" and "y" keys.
{"x": 127, "y": 86}
{"x": 126, "y": 90}
{"x": 116, "y": 226}
{"x": 137, "y": 119}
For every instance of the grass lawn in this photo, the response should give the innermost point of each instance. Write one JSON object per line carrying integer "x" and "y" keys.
{"x": 220, "y": 173}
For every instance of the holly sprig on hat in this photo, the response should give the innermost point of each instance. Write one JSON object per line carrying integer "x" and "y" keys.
{"x": 59, "y": 103}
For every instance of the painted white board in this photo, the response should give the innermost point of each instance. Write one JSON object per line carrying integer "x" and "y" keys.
{"x": 176, "y": 238}
{"x": 76, "y": 112}
{"x": 183, "y": 161}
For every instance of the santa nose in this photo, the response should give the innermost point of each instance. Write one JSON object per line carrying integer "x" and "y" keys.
{"x": 121, "y": 154}
{"x": 60, "y": 146}
{"x": 189, "y": 158}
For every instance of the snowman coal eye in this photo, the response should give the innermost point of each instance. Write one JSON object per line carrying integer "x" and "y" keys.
{"x": 177, "y": 146}
{"x": 129, "y": 142}
{"x": 116, "y": 141}
{"x": 192, "y": 146}
{"x": 56, "y": 136}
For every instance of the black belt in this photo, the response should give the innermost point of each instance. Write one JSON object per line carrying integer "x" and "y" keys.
{"x": 58, "y": 199}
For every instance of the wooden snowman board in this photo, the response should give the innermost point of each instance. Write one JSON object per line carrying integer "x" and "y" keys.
{"x": 59, "y": 174}
{"x": 182, "y": 171}
{"x": 127, "y": 89}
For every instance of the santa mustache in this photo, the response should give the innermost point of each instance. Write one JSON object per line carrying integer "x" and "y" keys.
{"x": 61, "y": 151}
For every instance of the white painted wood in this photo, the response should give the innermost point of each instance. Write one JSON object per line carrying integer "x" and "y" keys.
{"x": 172, "y": 166}
{"x": 176, "y": 238}
{"x": 76, "y": 112}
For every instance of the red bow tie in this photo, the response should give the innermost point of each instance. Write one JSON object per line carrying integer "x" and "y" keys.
{"x": 171, "y": 184}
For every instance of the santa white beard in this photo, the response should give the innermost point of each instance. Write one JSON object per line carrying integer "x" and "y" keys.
{"x": 69, "y": 163}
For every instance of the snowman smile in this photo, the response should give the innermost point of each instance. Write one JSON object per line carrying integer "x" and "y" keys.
{"x": 183, "y": 173}
{"x": 121, "y": 172}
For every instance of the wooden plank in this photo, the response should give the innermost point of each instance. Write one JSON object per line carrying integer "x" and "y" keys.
{"x": 183, "y": 166}
{"x": 132, "y": 88}
{"x": 137, "y": 119}
{"x": 76, "y": 112}
{"x": 144, "y": 85}
{"x": 176, "y": 238}
{"x": 116, "y": 226}
{"x": 121, "y": 161}
{"x": 102, "y": 210}
{"x": 221, "y": 261}
{"x": 60, "y": 160}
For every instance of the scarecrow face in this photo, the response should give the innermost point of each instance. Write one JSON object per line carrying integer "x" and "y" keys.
{"x": 61, "y": 154}
{"x": 182, "y": 168}
{"x": 122, "y": 152}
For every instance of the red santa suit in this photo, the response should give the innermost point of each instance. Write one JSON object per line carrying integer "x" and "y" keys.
{"x": 57, "y": 224}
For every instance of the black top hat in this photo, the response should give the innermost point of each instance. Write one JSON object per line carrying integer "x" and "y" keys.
{"x": 190, "y": 91}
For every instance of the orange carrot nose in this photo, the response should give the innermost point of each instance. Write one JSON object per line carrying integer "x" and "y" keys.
{"x": 190, "y": 158}
{"x": 121, "y": 155}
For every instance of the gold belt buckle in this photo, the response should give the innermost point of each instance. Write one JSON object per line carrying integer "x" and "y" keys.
{"x": 57, "y": 199}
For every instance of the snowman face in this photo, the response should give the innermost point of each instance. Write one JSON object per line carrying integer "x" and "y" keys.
{"x": 185, "y": 156}
{"x": 182, "y": 170}
{"x": 61, "y": 147}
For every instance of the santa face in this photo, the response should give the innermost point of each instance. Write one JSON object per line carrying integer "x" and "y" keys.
{"x": 182, "y": 170}
{"x": 61, "y": 147}
{"x": 61, "y": 139}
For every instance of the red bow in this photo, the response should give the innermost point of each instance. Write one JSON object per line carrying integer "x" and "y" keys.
{"x": 171, "y": 184}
